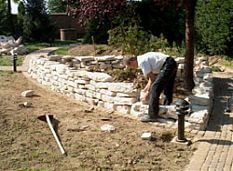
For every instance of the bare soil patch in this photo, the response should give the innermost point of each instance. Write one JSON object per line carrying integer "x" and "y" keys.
{"x": 91, "y": 50}
{"x": 27, "y": 143}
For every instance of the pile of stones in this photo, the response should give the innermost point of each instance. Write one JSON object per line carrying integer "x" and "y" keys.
{"x": 8, "y": 46}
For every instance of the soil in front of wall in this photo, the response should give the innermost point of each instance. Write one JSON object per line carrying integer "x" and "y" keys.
{"x": 27, "y": 143}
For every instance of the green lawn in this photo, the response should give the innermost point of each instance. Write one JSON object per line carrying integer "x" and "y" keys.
{"x": 62, "y": 51}
{"x": 8, "y": 61}
{"x": 33, "y": 46}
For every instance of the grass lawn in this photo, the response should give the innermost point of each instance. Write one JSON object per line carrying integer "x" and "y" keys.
{"x": 8, "y": 61}
{"x": 33, "y": 46}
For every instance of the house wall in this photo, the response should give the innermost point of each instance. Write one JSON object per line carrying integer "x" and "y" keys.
{"x": 63, "y": 21}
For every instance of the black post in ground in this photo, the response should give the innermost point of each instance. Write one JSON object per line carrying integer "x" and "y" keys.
{"x": 182, "y": 107}
{"x": 14, "y": 62}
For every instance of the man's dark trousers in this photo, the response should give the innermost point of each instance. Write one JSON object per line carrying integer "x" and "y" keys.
{"x": 164, "y": 82}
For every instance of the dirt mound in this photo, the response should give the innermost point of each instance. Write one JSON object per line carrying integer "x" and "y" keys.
{"x": 90, "y": 50}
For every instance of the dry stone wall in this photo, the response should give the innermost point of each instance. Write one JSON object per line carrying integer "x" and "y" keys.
{"x": 71, "y": 76}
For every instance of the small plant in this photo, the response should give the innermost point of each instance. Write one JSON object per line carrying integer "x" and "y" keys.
{"x": 216, "y": 69}
{"x": 123, "y": 75}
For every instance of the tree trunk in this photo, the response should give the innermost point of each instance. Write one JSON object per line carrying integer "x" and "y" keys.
{"x": 189, "y": 41}
{"x": 10, "y": 18}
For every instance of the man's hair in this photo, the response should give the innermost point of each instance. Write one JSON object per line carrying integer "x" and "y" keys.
{"x": 128, "y": 59}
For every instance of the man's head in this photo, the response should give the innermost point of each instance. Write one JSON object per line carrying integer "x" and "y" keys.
{"x": 130, "y": 62}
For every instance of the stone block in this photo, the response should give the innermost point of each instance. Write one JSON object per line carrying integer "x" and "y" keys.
{"x": 122, "y": 87}
{"x": 107, "y": 92}
{"x": 90, "y": 87}
{"x": 104, "y": 58}
{"x": 125, "y": 109}
{"x": 85, "y": 58}
{"x": 124, "y": 100}
{"x": 98, "y": 76}
{"x": 107, "y": 98}
{"x": 199, "y": 99}
{"x": 80, "y": 97}
{"x": 109, "y": 106}
{"x": 91, "y": 101}
{"x": 102, "y": 85}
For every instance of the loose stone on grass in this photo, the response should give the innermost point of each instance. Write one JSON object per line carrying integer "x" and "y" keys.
{"x": 27, "y": 93}
{"x": 146, "y": 136}
{"x": 107, "y": 128}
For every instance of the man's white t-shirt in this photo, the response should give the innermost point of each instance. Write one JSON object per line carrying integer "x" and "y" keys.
{"x": 151, "y": 62}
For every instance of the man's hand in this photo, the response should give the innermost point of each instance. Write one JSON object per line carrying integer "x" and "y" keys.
{"x": 145, "y": 97}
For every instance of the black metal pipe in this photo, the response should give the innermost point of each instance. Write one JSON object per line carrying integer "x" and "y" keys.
{"x": 15, "y": 62}
{"x": 181, "y": 137}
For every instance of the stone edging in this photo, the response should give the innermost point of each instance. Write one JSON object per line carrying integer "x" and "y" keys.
{"x": 70, "y": 76}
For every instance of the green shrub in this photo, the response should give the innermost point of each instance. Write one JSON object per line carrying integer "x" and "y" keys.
{"x": 216, "y": 69}
{"x": 133, "y": 40}
{"x": 96, "y": 30}
{"x": 214, "y": 22}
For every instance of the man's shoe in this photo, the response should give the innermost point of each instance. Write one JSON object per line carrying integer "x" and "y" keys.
{"x": 148, "y": 119}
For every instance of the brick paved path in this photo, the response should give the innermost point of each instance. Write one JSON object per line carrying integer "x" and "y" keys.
{"x": 215, "y": 145}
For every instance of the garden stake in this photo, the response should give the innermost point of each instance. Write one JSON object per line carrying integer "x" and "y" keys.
{"x": 48, "y": 118}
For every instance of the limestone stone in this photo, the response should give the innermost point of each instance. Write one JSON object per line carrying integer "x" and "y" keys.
{"x": 146, "y": 136}
{"x": 80, "y": 91}
{"x": 27, "y": 93}
{"x": 110, "y": 106}
{"x": 180, "y": 60}
{"x": 107, "y": 128}
{"x": 122, "y": 87}
{"x": 90, "y": 93}
{"x": 208, "y": 77}
{"x": 98, "y": 76}
{"x": 107, "y": 92}
{"x": 54, "y": 58}
{"x": 124, "y": 100}
{"x": 104, "y": 58}
{"x": 80, "y": 97}
{"x": 127, "y": 94}
{"x": 72, "y": 83}
{"x": 91, "y": 101}
{"x": 125, "y": 109}
{"x": 81, "y": 81}
{"x": 107, "y": 98}
{"x": 61, "y": 68}
{"x": 85, "y": 58}
{"x": 102, "y": 85}
{"x": 181, "y": 66}
{"x": 200, "y": 99}
{"x": 90, "y": 87}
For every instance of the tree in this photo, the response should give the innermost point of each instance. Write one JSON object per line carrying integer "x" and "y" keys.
{"x": 20, "y": 18}
{"x": 214, "y": 23}
{"x": 87, "y": 10}
{"x": 3, "y": 17}
{"x": 96, "y": 15}
{"x": 56, "y": 6}
{"x": 189, "y": 7}
{"x": 37, "y": 25}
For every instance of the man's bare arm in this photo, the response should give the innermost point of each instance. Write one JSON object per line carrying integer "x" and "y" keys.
{"x": 150, "y": 77}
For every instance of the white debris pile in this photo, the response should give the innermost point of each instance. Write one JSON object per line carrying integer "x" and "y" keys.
{"x": 8, "y": 45}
